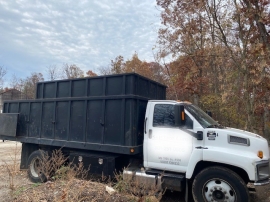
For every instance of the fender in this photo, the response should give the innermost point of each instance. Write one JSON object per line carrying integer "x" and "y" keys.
{"x": 196, "y": 156}
{"x": 237, "y": 158}
{"x": 214, "y": 154}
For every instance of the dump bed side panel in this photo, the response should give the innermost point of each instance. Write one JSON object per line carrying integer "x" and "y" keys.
{"x": 101, "y": 123}
{"x": 103, "y": 113}
{"x": 121, "y": 84}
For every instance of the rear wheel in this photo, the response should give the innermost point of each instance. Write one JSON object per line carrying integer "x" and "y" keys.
{"x": 34, "y": 167}
{"x": 219, "y": 184}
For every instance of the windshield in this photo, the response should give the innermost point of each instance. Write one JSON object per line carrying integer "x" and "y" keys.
{"x": 204, "y": 119}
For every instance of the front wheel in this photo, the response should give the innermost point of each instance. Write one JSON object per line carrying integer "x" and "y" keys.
{"x": 219, "y": 184}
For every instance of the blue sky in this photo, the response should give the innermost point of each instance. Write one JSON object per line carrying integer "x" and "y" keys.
{"x": 36, "y": 34}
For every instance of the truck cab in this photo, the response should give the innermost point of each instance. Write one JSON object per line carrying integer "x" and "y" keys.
{"x": 181, "y": 138}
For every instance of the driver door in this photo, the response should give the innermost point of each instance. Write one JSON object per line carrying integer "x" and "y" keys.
{"x": 167, "y": 146}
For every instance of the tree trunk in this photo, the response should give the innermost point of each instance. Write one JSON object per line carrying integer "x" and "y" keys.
{"x": 266, "y": 128}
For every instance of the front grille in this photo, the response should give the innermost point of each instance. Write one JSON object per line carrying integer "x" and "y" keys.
{"x": 238, "y": 140}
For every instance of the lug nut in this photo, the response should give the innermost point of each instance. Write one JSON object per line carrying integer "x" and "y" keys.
{"x": 211, "y": 190}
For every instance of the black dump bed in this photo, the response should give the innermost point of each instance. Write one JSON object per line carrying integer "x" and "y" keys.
{"x": 104, "y": 113}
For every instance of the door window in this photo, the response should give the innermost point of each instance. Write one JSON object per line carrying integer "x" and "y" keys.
{"x": 164, "y": 115}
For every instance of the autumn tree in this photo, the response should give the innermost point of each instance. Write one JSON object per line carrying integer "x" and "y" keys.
{"x": 257, "y": 13}
{"x": 220, "y": 49}
{"x": 247, "y": 47}
{"x": 90, "y": 73}
{"x": 185, "y": 36}
{"x": 152, "y": 70}
{"x": 117, "y": 65}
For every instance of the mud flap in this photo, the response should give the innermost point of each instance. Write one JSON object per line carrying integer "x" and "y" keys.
{"x": 188, "y": 192}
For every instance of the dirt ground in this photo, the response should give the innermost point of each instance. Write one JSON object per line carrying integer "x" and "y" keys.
{"x": 14, "y": 182}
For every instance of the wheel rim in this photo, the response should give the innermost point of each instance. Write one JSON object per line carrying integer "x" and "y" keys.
{"x": 218, "y": 190}
{"x": 35, "y": 167}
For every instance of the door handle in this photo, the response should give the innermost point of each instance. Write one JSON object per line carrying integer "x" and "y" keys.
{"x": 145, "y": 121}
{"x": 150, "y": 133}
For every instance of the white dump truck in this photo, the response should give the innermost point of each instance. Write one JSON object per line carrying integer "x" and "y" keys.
{"x": 111, "y": 122}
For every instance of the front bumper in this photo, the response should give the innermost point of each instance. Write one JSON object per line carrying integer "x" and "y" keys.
{"x": 262, "y": 173}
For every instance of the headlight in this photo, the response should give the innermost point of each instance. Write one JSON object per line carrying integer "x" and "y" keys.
{"x": 262, "y": 169}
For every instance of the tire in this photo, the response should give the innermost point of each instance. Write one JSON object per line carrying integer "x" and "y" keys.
{"x": 33, "y": 163}
{"x": 219, "y": 184}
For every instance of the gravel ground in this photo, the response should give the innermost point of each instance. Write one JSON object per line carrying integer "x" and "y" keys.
{"x": 11, "y": 177}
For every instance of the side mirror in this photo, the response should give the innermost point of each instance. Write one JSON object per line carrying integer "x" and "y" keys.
{"x": 199, "y": 135}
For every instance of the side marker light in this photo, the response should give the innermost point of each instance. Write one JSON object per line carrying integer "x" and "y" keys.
{"x": 260, "y": 154}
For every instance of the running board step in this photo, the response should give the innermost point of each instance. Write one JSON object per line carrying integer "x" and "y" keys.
{"x": 166, "y": 174}
{"x": 170, "y": 180}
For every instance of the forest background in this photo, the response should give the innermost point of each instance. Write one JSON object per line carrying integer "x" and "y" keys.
{"x": 220, "y": 60}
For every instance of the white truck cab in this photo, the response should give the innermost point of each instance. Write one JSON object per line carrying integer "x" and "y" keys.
{"x": 181, "y": 138}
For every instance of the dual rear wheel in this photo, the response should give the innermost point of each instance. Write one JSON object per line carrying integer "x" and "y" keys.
{"x": 34, "y": 163}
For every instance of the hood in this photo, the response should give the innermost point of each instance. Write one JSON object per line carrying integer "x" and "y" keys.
{"x": 257, "y": 142}
{"x": 254, "y": 141}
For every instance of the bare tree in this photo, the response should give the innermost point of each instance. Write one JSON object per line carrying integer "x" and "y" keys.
{"x": 72, "y": 71}
{"x": 29, "y": 84}
{"x": 52, "y": 72}
{"x": 105, "y": 70}
{"x": 3, "y": 72}
{"x": 16, "y": 83}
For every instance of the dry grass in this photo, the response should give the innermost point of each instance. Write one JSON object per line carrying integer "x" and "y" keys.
{"x": 55, "y": 167}
{"x": 140, "y": 189}
{"x": 75, "y": 190}
{"x": 12, "y": 167}
{"x": 66, "y": 183}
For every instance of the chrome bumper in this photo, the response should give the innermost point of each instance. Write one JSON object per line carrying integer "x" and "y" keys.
{"x": 262, "y": 182}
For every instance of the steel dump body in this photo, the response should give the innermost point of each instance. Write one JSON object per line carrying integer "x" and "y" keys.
{"x": 103, "y": 113}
